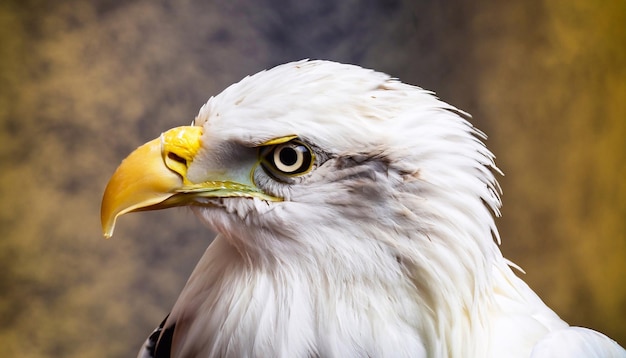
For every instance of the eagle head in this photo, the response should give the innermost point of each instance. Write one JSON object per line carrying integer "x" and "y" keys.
{"x": 342, "y": 197}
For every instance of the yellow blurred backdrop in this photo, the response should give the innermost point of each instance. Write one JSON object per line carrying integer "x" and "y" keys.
{"x": 82, "y": 83}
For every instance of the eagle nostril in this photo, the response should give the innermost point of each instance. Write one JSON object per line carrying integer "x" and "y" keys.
{"x": 175, "y": 157}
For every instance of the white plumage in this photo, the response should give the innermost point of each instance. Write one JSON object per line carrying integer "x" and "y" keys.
{"x": 385, "y": 246}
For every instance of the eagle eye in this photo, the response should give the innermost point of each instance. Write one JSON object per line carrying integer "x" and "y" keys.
{"x": 291, "y": 159}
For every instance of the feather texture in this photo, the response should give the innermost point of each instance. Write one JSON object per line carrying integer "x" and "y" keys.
{"x": 387, "y": 247}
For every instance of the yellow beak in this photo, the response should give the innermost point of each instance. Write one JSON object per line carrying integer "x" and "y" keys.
{"x": 154, "y": 177}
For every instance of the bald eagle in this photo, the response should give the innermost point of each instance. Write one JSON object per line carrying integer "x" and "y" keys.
{"x": 355, "y": 218}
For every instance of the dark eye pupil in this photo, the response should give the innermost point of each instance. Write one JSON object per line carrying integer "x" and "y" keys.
{"x": 288, "y": 156}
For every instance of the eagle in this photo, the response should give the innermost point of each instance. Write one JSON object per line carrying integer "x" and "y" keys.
{"x": 354, "y": 217}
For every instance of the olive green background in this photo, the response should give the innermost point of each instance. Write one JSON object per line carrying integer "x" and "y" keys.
{"x": 82, "y": 83}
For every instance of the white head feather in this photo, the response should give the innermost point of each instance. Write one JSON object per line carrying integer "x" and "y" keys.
{"x": 386, "y": 248}
{"x": 388, "y": 233}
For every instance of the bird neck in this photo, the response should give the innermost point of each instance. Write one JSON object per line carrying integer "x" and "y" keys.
{"x": 333, "y": 305}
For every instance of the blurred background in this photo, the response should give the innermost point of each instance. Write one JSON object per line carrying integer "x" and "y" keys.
{"x": 82, "y": 83}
